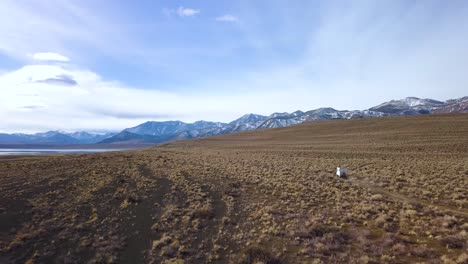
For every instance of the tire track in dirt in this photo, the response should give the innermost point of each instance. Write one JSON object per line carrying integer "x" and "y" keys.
{"x": 211, "y": 231}
{"x": 208, "y": 236}
{"x": 142, "y": 216}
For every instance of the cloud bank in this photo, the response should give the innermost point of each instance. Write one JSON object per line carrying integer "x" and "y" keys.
{"x": 68, "y": 97}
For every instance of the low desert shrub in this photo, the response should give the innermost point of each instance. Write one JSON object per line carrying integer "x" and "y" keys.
{"x": 204, "y": 212}
{"x": 256, "y": 255}
{"x": 453, "y": 241}
{"x": 422, "y": 252}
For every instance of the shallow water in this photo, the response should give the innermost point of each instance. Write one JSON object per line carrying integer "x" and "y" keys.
{"x": 4, "y": 151}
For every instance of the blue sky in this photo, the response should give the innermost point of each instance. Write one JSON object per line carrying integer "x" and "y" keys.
{"x": 93, "y": 65}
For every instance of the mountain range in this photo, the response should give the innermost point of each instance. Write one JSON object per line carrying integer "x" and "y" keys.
{"x": 153, "y": 132}
{"x": 53, "y": 138}
{"x": 158, "y": 132}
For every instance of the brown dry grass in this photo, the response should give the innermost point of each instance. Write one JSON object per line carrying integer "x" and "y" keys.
{"x": 255, "y": 197}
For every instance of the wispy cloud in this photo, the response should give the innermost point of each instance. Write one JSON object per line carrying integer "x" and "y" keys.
{"x": 227, "y": 18}
{"x": 181, "y": 12}
{"x": 49, "y": 56}
{"x": 187, "y": 12}
{"x": 80, "y": 29}
{"x": 32, "y": 106}
{"x": 61, "y": 79}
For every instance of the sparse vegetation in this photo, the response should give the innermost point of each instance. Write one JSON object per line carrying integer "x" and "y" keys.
{"x": 255, "y": 197}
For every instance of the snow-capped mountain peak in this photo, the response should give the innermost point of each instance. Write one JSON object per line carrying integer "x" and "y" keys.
{"x": 408, "y": 105}
{"x": 248, "y": 118}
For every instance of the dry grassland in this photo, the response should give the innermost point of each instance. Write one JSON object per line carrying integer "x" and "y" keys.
{"x": 265, "y": 196}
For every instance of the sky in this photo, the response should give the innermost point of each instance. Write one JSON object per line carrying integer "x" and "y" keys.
{"x": 106, "y": 65}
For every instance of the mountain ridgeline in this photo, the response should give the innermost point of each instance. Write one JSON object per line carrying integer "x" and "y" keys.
{"x": 153, "y": 132}
{"x": 159, "y": 132}
{"x": 53, "y": 138}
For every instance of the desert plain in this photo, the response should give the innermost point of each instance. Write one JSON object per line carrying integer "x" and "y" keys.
{"x": 266, "y": 196}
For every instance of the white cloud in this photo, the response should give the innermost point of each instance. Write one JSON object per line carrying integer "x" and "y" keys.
{"x": 49, "y": 56}
{"x": 30, "y": 102}
{"x": 227, "y": 18}
{"x": 187, "y": 12}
